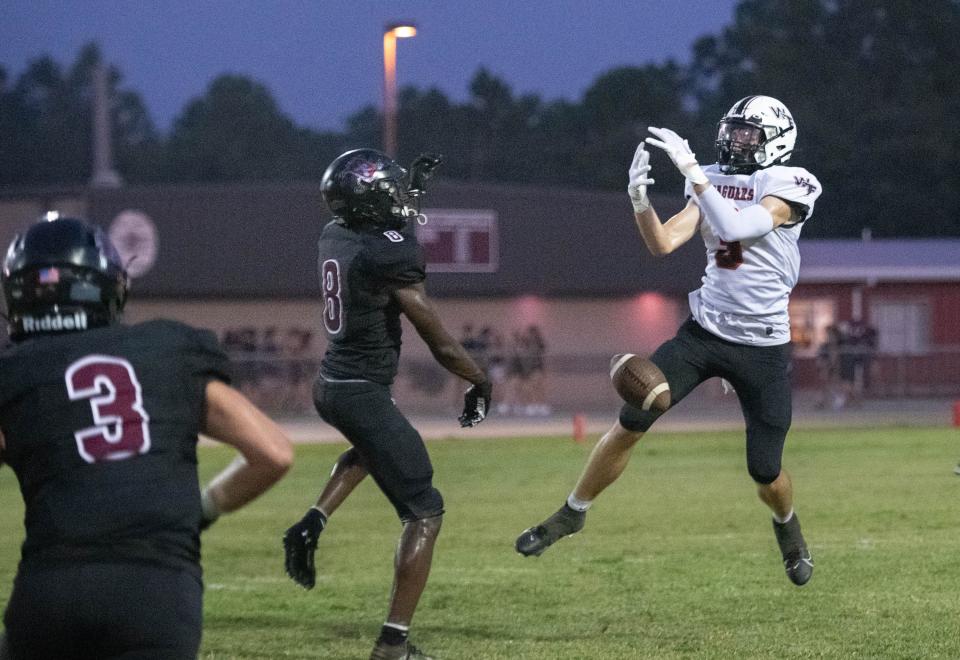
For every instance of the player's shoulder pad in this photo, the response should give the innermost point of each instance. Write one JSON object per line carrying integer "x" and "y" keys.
{"x": 197, "y": 350}
{"x": 395, "y": 256}
{"x": 795, "y": 184}
{"x": 182, "y": 333}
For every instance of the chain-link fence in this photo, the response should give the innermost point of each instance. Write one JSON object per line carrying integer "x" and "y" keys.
{"x": 580, "y": 381}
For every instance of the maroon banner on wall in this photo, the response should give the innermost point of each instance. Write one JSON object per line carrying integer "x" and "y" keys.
{"x": 460, "y": 240}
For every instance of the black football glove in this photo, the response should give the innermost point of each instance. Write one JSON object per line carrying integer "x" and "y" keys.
{"x": 476, "y": 404}
{"x": 299, "y": 545}
{"x": 422, "y": 169}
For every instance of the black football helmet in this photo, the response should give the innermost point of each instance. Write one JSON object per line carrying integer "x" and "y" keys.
{"x": 366, "y": 185}
{"x": 62, "y": 275}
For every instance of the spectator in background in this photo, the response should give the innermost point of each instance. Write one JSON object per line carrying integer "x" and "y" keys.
{"x": 497, "y": 365}
{"x": 536, "y": 349}
{"x": 828, "y": 370}
{"x": 472, "y": 342}
{"x": 518, "y": 374}
{"x": 857, "y": 344}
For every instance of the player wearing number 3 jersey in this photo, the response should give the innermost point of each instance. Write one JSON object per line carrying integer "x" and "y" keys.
{"x": 749, "y": 208}
{"x": 99, "y": 422}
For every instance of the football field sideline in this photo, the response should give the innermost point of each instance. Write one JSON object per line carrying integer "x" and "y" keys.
{"x": 694, "y": 414}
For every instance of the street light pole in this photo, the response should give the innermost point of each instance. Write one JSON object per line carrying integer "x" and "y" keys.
{"x": 392, "y": 32}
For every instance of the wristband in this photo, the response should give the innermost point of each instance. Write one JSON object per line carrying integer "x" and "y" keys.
{"x": 208, "y": 506}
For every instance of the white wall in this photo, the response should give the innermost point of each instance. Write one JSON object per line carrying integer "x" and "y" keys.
{"x": 570, "y": 326}
{"x": 592, "y": 329}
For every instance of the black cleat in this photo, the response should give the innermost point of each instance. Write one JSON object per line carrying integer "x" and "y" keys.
{"x": 564, "y": 522}
{"x": 404, "y": 651}
{"x": 796, "y": 557}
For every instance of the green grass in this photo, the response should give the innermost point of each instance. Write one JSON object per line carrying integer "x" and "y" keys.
{"x": 677, "y": 560}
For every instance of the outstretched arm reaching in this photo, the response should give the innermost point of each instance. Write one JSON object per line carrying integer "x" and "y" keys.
{"x": 661, "y": 238}
{"x": 417, "y": 306}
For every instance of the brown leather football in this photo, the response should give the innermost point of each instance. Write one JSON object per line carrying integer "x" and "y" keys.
{"x": 640, "y": 382}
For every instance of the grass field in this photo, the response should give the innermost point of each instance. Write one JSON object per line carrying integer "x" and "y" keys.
{"x": 677, "y": 560}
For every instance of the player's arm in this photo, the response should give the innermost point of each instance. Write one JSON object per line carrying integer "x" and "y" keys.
{"x": 418, "y": 307}
{"x": 661, "y": 238}
{"x": 265, "y": 451}
{"x": 665, "y": 237}
{"x": 727, "y": 222}
{"x": 751, "y": 222}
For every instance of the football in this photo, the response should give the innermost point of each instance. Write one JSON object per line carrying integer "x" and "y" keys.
{"x": 640, "y": 382}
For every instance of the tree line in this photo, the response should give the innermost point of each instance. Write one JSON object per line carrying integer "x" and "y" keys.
{"x": 871, "y": 83}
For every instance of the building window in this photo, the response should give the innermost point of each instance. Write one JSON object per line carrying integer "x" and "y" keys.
{"x": 809, "y": 320}
{"x": 903, "y": 328}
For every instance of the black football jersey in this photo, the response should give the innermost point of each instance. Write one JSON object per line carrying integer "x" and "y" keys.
{"x": 359, "y": 268}
{"x": 101, "y": 430}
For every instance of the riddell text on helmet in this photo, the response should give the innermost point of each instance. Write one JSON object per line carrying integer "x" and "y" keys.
{"x": 75, "y": 321}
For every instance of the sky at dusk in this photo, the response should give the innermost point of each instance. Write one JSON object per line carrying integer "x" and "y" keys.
{"x": 323, "y": 59}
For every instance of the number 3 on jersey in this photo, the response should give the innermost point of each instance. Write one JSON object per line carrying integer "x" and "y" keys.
{"x": 332, "y": 301}
{"x": 121, "y": 425}
{"x": 729, "y": 255}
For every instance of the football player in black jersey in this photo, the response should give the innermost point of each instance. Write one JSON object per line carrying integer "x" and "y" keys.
{"x": 371, "y": 272}
{"x": 99, "y": 422}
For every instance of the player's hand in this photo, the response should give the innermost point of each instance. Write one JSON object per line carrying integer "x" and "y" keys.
{"x": 422, "y": 169}
{"x": 639, "y": 180}
{"x": 476, "y": 403}
{"x": 679, "y": 151}
{"x": 299, "y": 546}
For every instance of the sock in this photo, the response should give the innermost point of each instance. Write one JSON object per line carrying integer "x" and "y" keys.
{"x": 785, "y": 519}
{"x": 577, "y": 504}
{"x": 394, "y": 634}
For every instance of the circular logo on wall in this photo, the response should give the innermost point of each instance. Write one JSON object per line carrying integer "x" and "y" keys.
{"x": 135, "y": 237}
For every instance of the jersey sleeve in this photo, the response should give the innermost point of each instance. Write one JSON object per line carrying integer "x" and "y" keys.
{"x": 794, "y": 185}
{"x": 400, "y": 264}
{"x": 204, "y": 358}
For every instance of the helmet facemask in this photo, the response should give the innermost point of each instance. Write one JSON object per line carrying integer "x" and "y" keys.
{"x": 740, "y": 146}
{"x": 757, "y": 132}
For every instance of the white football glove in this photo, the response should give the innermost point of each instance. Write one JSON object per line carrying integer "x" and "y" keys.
{"x": 680, "y": 153}
{"x": 637, "y": 188}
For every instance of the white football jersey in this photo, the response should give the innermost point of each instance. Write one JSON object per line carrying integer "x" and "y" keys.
{"x": 746, "y": 286}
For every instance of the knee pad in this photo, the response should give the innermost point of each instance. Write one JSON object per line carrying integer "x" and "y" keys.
{"x": 764, "y": 474}
{"x": 765, "y": 451}
{"x": 426, "y": 504}
{"x": 637, "y": 420}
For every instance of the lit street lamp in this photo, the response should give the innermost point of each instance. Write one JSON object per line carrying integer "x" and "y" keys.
{"x": 392, "y": 32}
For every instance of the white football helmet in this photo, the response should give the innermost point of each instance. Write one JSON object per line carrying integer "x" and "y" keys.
{"x": 757, "y": 132}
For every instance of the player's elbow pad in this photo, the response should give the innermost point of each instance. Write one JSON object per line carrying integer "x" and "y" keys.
{"x": 728, "y": 223}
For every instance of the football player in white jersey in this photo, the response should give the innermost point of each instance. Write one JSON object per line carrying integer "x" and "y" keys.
{"x": 750, "y": 208}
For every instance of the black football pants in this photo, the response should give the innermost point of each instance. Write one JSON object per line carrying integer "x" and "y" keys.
{"x": 103, "y": 611}
{"x": 391, "y": 448}
{"x": 760, "y": 375}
